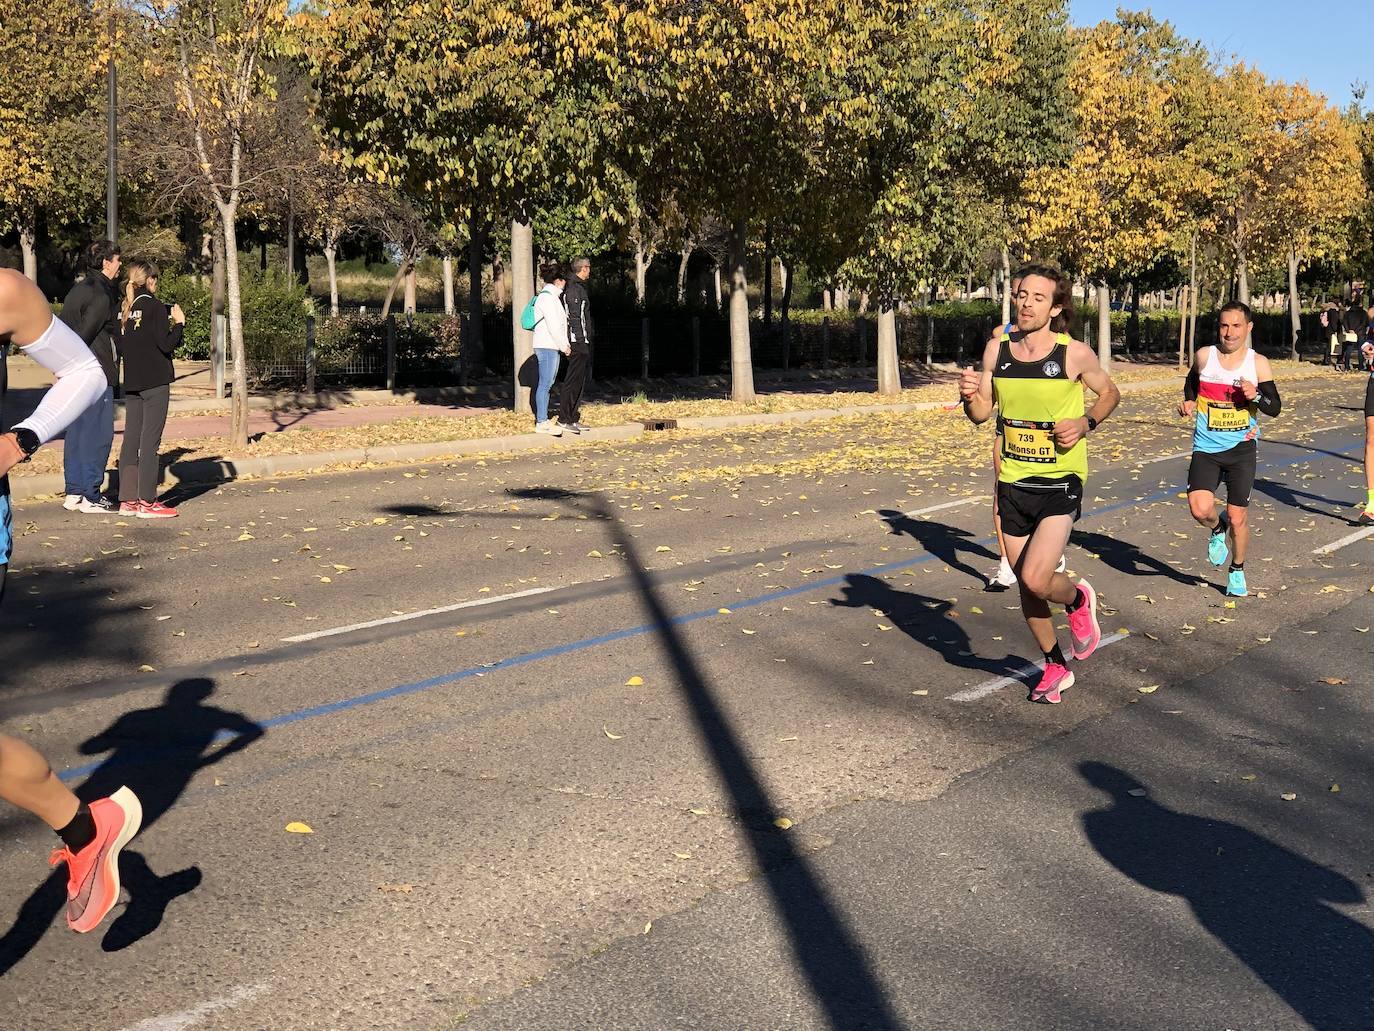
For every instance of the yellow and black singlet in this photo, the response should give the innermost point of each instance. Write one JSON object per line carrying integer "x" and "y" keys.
{"x": 1031, "y": 397}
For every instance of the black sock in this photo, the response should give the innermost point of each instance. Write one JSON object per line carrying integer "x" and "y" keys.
{"x": 1077, "y": 602}
{"x": 1221, "y": 525}
{"x": 1055, "y": 655}
{"x": 80, "y": 832}
{"x": 1237, "y": 567}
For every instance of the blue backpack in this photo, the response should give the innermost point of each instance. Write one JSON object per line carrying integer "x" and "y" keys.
{"x": 528, "y": 318}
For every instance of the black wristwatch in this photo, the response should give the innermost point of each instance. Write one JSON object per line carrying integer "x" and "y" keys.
{"x": 27, "y": 440}
{"x": 1092, "y": 424}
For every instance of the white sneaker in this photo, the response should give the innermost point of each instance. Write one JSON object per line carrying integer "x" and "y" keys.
{"x": 72, "y": 502}
{"x": 548, "y": 426}
{"x": 100, "y": 506}
{"x": 1063, "y": 565}
{"x": 1004, "y": 579}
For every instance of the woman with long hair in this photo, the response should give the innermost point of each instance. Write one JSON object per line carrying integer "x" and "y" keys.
{"x": 150, "y": 333}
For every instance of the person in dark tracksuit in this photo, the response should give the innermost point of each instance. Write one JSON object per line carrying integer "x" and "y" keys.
{"x": 92, "y": 311}
{"x": 150, "y": 335}
{"x": 580, "y": 333}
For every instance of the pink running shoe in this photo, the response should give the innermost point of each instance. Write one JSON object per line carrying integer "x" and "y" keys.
{"x": 93, "y": 873}
{"x": 1083, "y": 628}
{"x": 157, "y": 510}
{"x": 130, "y": 508}
{"x": 1053, "y": 682}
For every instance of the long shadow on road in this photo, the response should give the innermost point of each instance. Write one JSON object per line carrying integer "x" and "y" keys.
{"x": 826, "y": 951}
{"x": 944, "y": 542}
{"x": 1268, "y": 905}
{"x": 156, "y": 752}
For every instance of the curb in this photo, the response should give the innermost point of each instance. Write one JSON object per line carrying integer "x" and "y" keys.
{"x": 218, "y": 470}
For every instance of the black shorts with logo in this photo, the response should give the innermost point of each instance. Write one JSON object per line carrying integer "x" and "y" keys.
{"x": 1024, "y": 504}
{"x": 1235, "y": 466}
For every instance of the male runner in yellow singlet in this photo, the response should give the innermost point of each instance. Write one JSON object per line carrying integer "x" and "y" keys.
{"x": 1034, "y": 377}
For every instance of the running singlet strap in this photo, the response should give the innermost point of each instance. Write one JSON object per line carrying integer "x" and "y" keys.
{"x": 1224, "y": 417}
{"x": 1031, "y": 398}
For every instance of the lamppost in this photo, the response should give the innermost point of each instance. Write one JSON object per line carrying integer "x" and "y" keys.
{"x": 112, "y": 149}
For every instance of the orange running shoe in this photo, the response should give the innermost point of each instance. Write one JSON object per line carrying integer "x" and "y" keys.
{"x": 93, "y": 873}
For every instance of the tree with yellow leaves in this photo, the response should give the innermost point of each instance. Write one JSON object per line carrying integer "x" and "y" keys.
{"x": 211, "y": 56}
{"x": 1124, "y": 194}
{"x": 49, "y": 99}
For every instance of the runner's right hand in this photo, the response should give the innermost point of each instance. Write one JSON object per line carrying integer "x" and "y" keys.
{"x": 1187, "y": 409}
{"x": 970, "y": 380}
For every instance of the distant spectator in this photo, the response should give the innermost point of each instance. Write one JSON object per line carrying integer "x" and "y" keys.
{"x": 150, "y": 336}
{"x": 1354, "y": 325}
{"x": 550, "y": 341}
{"x": 91, "y": 310}
{"x": 580, "y": 331}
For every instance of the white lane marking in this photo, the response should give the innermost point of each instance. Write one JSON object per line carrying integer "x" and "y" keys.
{"x": 1358, "y": 535}
{"x": 1017, "y": 676}
{"x": 424, "y": 612}
{"x": 194, "y": 1015}
{"x": 947, "y": 504}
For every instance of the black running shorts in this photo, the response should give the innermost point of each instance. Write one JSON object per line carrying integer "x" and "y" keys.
{"x": 1369, "y": 399}
{"x": 1235, "y": 466}
{"x": 1023, "y": 505}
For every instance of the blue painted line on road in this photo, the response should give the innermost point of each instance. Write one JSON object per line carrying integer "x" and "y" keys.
{"x": 572, "y": 647}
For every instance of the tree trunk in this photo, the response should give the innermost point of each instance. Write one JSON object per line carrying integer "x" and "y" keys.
{"x": 1104, "y": 325}
{"x": 331, "y": 251}
{"x": 290, "y": 236}
{"x": 1242, "y": 278}
{"x": 741, "y": 359}
{"x": 767, "y": 282}
{"x": 715, "y": 276}
{"x": 863, "y": 302}
{"x": 498, "y": 282}
{"x": 1192, "y": 298}
{"x": 1182, "y": 306}
{"x": 522, "y": 289}
{"x": 1006, "y": 286}
{"x": 1133, "y": 323}
{"x": 410, "y": 287}
{"x": 889, "y": 374}
{"x": 28, "y": 245}
{"x": 396, "y": 282}
{"x": 448, "y": 284}
{"x": 684, "y": 258}
{"x": 262, "y": 254}
{"x": 238, "y": 429}
{"x": 786, "y": 309}
{"x": 1294, "y": 304}
{"x": 474, "y": 348}
{"x": 642, "y": 261}
{"x": 827, "y": 302}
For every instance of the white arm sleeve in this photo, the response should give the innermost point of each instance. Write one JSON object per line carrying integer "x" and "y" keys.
{"x": 80, "y": 380}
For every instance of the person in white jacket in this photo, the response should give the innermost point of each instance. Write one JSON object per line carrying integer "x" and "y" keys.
{"x": 550, "y": 342}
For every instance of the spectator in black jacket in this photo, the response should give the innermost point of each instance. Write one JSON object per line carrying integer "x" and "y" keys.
{"x": 580, "y": 332}
{"x": 150, "y": 336}
{"x": 1353, "y": 329}
{"x": 91, "y": 310}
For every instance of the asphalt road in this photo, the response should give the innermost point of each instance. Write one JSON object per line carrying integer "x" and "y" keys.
{"x": 543, "y": 714}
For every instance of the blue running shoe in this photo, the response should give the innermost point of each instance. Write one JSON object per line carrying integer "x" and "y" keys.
{"x": 1217, "y": 551}
{"x": 1235, "y": 584}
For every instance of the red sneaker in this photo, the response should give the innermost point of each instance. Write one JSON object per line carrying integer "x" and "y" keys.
{"x": 156, "y": 510}
{"x": 93, "y": 873}
{"x": 1053, "y": 682}
{"x": 130, "y": 508}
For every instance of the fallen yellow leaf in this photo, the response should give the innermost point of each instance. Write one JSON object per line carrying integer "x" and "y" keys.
{"x": 1288, "y": 796}
{"x": 613, "y": 737}
{"x": 782, "y": 823}
{"x": 1148, "y": 690}
{"x": 299, "y": 828}
{"x": 635, "y": 681}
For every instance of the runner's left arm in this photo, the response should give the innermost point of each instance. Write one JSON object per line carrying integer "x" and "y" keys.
{"x": 1083, "y": 365}
{"x": 1266, "y": 392}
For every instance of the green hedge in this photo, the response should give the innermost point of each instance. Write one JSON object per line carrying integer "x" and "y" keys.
{"x": 274, "y": 311}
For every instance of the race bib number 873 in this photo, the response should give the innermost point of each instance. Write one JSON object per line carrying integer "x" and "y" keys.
{"x": 1227, "y": 418}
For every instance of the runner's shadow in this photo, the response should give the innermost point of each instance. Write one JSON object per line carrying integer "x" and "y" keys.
{"x": 824, "y": 948}
{"x": 931, "y": 622}
{"x": 944, "y": 542}
{"x": 1286, "y": 495}
{"x": 1126, "y": 558}
{"x": 1269, "y": 906}
{"x": 156, "y": 752}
